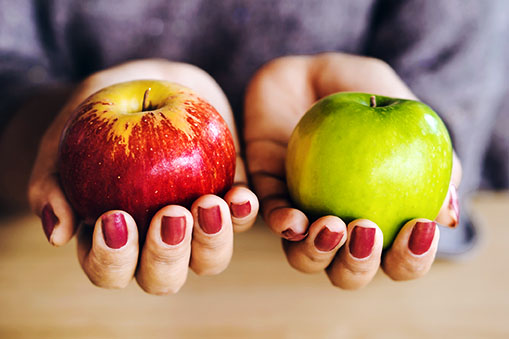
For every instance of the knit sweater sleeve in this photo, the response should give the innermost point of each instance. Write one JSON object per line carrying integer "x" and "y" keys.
{"x": 454, "y": 56}
{"x": 23, "y": 61}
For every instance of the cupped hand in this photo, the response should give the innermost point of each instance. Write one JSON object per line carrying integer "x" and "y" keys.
{"x": 200, "y": 238}
{"x": 277, "y": 97}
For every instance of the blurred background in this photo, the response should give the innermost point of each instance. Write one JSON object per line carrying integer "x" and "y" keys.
{"x": 454, "y": 55}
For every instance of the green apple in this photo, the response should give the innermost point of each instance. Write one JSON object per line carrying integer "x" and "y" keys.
{"x": 358, "y": 155}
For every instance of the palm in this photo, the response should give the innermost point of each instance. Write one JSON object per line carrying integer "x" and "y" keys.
{"x": 161, "y": 264}
{"x": 277, "y": 97}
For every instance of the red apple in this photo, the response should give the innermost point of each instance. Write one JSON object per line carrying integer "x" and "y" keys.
{"x": 140, "y": 145}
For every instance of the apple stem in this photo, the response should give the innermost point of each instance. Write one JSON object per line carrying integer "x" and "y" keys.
{"x": 372, "y": 101}
{"x": 144, "y": 104}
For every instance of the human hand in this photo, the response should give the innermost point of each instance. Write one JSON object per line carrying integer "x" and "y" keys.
{"x": 277, "y": 97}
{"x": 109, "y": 252}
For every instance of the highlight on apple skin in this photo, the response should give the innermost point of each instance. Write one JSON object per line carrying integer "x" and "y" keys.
{"x": 358, "y": 155}
{"x": 140, "y": 145}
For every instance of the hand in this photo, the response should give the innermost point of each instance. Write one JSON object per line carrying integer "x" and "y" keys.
{"x": 277, "y": 97}
{"x": 159, "y": 268}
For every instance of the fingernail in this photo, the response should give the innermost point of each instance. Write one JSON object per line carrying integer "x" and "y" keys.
{"x": 291, "y": 235}
{"x": 454, "y": 206}
{"x": 49, "y": 220}
{"x": 210, "y": 219}
{"x": 173, "y": 229}
{"x": 362, "y": 241}
{"x": 240, "y": 210}
{"x": 326, "y": 240}
{"x": 421, "y": 237}
{"x": 114, "y": 230}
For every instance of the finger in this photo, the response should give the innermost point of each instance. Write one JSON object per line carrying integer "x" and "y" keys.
{"x": 336, "y": 72}
{"x": 276, "y": 97}
{"x": 243, "y": 203}
{"x": 450, "y": 211}
{"x": 314, "y": 254}
{"x": 266, "y": 138}
{"x": 49, "y": 203}
{"x": 165, "y": 255}
{"x": 109, "y": 254}
{"x": 240, "y": 177}
{"x": 212, "y": 243}
{"x": 45, "y": 196}
{"x": 457, "y": 170}
{"x": 413, "y": 250}
{"x": 243, "y": 207}
{"x": 357, "y": 263}
{"x": 266, "y": 156}
{"x": 266, "y": 164}
{"x": 289, "y": 223}
{"x": 282, "y": 219}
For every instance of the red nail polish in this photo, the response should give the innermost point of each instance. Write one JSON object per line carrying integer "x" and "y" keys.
{"x": 362, "y": 241}
{"x": 240, "y": 210}
{"x": 454, "y": 206}
{"x": 326, "y": 240}
{"x": 291, "y": 235}
{"x": 421, "y": 237}
{"x": 173, "y": 229}
{"x": 210, "y": 219}
{"x": 49, "y": 220}
{"x": 114, "y": 230}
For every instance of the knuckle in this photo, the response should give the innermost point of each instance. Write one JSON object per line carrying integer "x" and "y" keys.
{"x": 336, "y": 283}
{"x": 309, "y": 265}
{"x": 339, "y": 283}
{"x": 210, "y": 263}
{"x": 344, "y": 282}
{"x": 162, "y": 257}
{"x": 35, "y": 192}
{"x": 400, "y": 267}
{"x": 159, "y": 290}
{"x": 270, "y": 66}
{"x": 32, "y": 194}
{"x": 358, "y": 271}
{"x": 328, "y": 60}
{"x": 212, "y": 247}
{"x": 208, "y": 270}
{"x": 106, "y": 281}
{"x": 415, "y": 269}
{"x": 109, "y": 271}
{"x": 275, "y": 66}
{"x": 378, "y": 65}
{"x": 245, "y": 225}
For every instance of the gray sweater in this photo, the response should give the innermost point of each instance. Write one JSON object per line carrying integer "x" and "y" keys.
{"x": 453, "y": 54}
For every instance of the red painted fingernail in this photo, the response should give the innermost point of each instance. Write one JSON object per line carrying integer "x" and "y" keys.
{"x": 291, "y": 235}
{"x": 173, "y": 229}
{"x": 241, "y": 210}
{"x": 362, "y": 241}
{"x": 326, "y": 240}
{"x": 49, "y": 220}
{"x": 421, "y": 237}
{"x": 210, "y": 219}
{"x": 454, "y": 206}
{"x": 114, "y": 230}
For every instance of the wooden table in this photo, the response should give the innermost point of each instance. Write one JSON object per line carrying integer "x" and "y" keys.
{"x": 44, "y": 294}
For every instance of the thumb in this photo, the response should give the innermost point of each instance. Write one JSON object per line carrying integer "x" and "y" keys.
{"x": 48, "y": 201}
{"x": 450, "y": 210}
{"x": 45, "y": 196}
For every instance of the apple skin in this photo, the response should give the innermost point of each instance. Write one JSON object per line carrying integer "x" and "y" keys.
{"x": 121, "y": 151}
{"x": 390, "y": 163}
